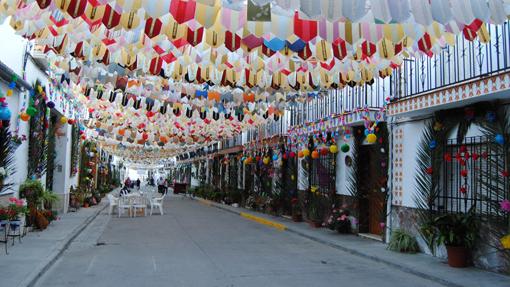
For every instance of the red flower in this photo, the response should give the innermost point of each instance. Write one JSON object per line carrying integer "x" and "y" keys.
{"x": 505, "y": 173}
{"x": 463, "y": 189}
{"x": 475, "y": 156}
{"x": 458, "y": 156}
{"x": 466, "y": 155}
{"x": 429, "y": 170}
{"x": 464, "y": 173}
{"x": 463, "y": 148}
{"x": 485, "y": 155}
{"x": 448, "y": 157}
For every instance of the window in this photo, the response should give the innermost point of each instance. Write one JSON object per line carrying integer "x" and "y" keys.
{"x": 472, "y": 175}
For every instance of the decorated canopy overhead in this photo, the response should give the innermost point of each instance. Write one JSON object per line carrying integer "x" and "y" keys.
{"x": 188, "y": 72}
{"x": 280, "y": 44}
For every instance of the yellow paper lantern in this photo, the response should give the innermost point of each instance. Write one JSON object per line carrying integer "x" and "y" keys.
{"x": 505, "y": 241}
{"x": 306, "y": 152}
{"x": 9, "y": 92}
{"x": 333, "y": 148}
{"x": 371, "y": 138}
{"x": 63, "y": 120}
{"x": 266, "y": 160}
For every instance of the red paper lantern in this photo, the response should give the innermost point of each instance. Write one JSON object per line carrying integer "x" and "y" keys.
{"x": 304, "y": 29}
{"x": 183, "y": 10}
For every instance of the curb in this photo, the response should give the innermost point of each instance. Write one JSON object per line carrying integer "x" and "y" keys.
{"x": 32, "y": 279}
{"x": 352, "y": 251}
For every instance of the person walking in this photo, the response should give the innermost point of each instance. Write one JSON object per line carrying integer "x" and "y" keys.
{"x": 127, "y": 183}
{"x": 138, "y": 183}
{"x": 160, "y": 185}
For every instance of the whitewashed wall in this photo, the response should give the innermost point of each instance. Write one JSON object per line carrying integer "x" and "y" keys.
{"x": 12, "y": 54}
{"x": 342, "y": 170}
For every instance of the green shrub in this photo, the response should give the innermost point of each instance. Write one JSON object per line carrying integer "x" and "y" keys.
{"x": 402, "y": 241}
{"x": 32, "y": 190}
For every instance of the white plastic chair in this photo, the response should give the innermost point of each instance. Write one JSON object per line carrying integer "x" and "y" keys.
{"x": 139, "y": 203}
{"x": 113, "y": 201}
{"x": 157, "y": 202}
{"x": 124, "y": 203}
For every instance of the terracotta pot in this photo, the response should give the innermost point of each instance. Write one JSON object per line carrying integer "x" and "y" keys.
{"x": 458, "y": 256}
{"x": 315, "y": 223}
{"x": 297, "y": 217}
{"x": 86, "y": 204}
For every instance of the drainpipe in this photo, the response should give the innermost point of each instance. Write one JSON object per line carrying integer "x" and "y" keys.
{"x": 389, "y": 203}
{"x": 7, "y": 73}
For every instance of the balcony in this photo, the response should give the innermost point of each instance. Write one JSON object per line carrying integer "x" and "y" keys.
{"x": 40, "y": 58}
{"x": 469, "y": 69}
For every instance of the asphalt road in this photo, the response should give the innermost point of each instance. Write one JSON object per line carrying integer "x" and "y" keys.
{"x": 196, "y": 245}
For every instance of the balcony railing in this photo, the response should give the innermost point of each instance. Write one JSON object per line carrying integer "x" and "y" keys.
{"x": 465, "y": 61}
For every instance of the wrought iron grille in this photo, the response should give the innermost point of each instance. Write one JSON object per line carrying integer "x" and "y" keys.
{"x": 322, "y": 174}
{"x": 232, "y": 174}
{"x": 464, "y": 61}
{"x": 473, "y": 176}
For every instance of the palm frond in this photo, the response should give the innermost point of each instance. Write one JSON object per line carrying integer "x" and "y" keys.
{"x": 6, "y": 155}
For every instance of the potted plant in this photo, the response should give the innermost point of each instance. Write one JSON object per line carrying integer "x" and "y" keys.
{"x": 297, "y": 215}
{"x": 15, "y": 210}
{"x": 458, "y": 232}
{"x": 339, "y": 220}
{"x": 402, "y": 241}
{"x": 47, "y": 199}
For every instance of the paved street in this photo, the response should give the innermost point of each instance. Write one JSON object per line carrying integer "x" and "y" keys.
{"x": 197, "y": 245}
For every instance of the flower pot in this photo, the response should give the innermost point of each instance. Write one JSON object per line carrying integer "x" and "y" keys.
{"x": 86, "y": 204}
{"x": 458, "y": 256}
{"x": 297, "y": 217}
{"x": 315, "y": 223}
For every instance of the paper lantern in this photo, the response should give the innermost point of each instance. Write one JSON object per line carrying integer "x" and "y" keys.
{"x": 31, "y": 111}
{"x": 433, "y": 144}
{"x": 500, "y": 139}
{"x": 300, "y": 154}
{"x": 345, "y": 148}
{"x": 306, "y": 152}
{"x": 333, "y": 149}
{"x": 266, "y": 160}
{"x": 70, "y": 121}
{"x": 24, "y": 117}
{"x": 371, "y": 138}
{"x": 63, "y": 120}
{"x": 324, "y": 150}
{"x": 9, "y": 92}
{"x": 315, "y": 154}
{"x": 5, "y": 113}
{"x": 292, "y": 154}
{"x": 50, "y": 104}
{"x": 275, "y": 157}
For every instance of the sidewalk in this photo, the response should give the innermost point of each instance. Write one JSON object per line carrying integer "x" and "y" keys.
{"x": 39, "y": 249}
{"x": 421, "y": 265}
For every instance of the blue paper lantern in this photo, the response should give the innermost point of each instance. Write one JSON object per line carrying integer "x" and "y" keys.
{"x": 5, "y": 113}
{"x": 275, "y": 157}
{"x": 490, "y": 117}
{"x": 50, "y": 104}
{"x": 432, "y": 144}
{"x": 500, "y": 139}
{"x": 12, "y": 85}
